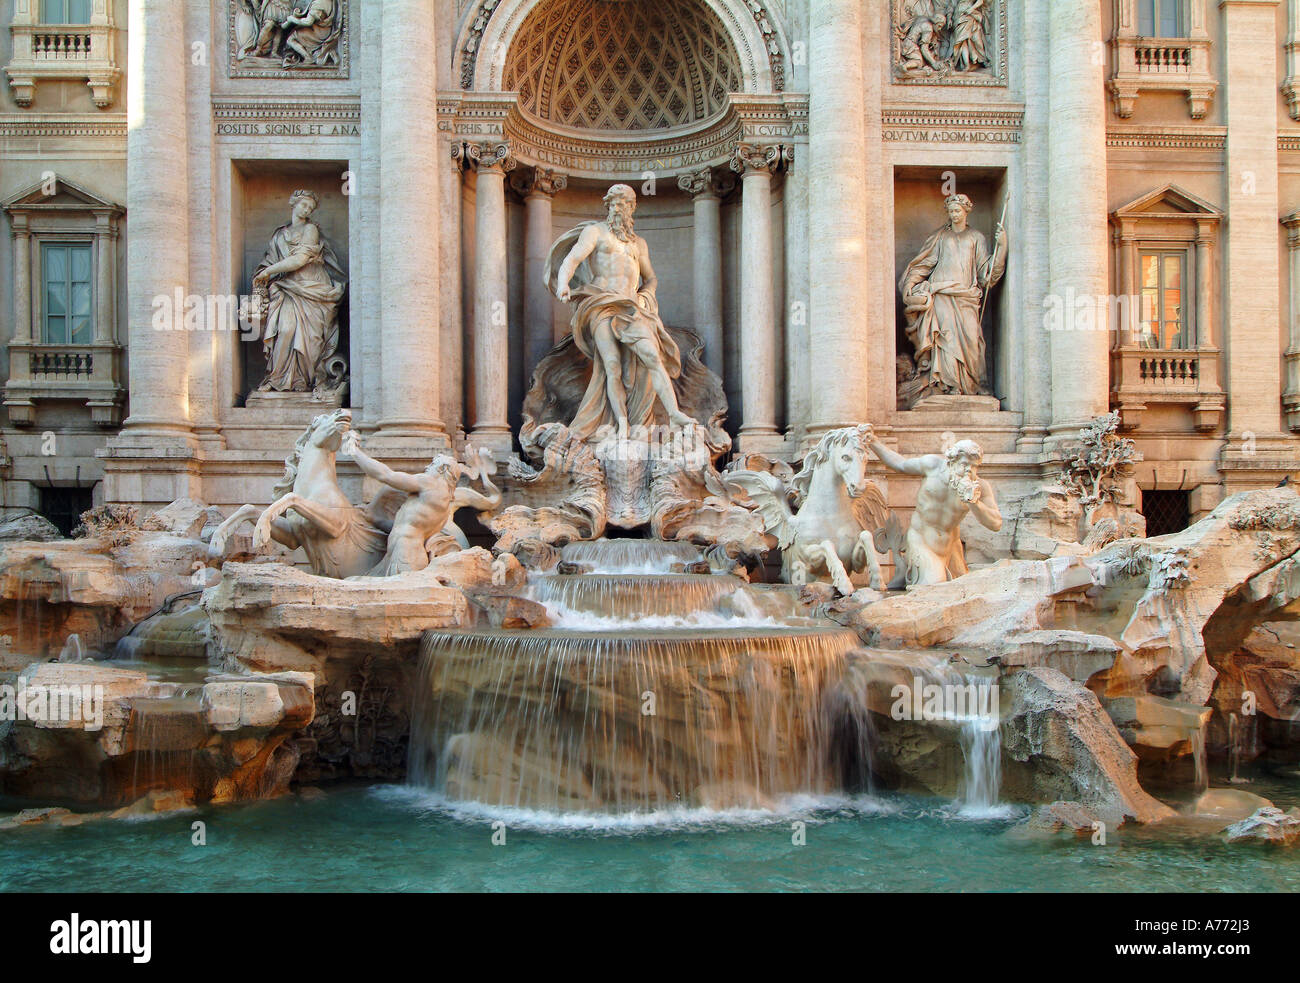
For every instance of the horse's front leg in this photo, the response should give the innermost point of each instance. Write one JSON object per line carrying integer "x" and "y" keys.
{"x": 217, "y": 545}
{"x": 829, "y": 555}
{"x": 323, "y": 519}
{"x": 864, "y": 556}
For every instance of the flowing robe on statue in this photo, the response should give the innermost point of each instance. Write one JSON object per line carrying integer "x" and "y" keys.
{"x": 302, "y": 318}
{"x": 942, "y": 288}
{"x": 631, "y": 320}
{"x": 320, "y": 41}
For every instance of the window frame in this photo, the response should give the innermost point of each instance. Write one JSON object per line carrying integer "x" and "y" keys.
{"x": 44, "y": 243}
{"x": 1157, "y": 9}
{"x": 1187, "y": 273}
{"x": 66, "y": 20}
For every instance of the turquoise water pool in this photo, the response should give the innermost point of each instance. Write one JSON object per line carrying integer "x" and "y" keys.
{"x": 396, "y": 839}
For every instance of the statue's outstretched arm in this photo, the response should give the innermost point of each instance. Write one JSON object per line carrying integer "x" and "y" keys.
{"x": 985, "y": 508}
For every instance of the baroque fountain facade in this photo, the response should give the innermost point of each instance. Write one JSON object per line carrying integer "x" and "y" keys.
{"x": 537, "y": 446}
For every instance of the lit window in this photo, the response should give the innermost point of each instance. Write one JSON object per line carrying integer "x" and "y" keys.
{"x": 67, "y": 316}
{"x": 1162, "y": 18}
{"x": 1164, "y": 308}
{"x": 65, "y": 11}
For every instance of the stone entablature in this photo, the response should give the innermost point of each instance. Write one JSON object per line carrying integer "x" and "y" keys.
{"x": 60, "y": 212}
{"x": 308, "y": 119}
{"x": 1144, "y": 64}
{"x": 49, "y": 52}
{"x": 978, "y": 127}
{"x": 474, "y": 117}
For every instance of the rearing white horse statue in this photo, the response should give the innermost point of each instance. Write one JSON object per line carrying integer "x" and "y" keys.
{"x": 831, "y": 535}
{"x": 312, "y": 512}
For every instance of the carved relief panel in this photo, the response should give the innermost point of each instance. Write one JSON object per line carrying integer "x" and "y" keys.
{"x": 290, "y": 38}
{"x": 949, "y": 42}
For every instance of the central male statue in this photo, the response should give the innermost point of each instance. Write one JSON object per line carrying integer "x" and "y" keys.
{"x": 605, "y": 267}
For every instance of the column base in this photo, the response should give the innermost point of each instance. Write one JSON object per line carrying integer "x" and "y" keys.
{"x": 499, "y": 440}
{"x": 766, "y": 442}
{"x": 152, "y": 468}
{"x": 1250, "y": 461}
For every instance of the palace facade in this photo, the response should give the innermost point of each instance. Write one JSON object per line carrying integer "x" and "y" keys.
{"x": 791, "y": 158}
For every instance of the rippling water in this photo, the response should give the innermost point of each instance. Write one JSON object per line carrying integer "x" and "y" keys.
{"x": 397, "y": 839}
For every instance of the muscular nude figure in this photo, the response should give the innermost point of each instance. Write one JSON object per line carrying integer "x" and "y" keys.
{"x": 606, "y": 270}
{"x": 433, "y": 498}
{"x": 951, "y": 487}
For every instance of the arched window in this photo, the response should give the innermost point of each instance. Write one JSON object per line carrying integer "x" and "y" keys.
{"x": 1162, "y": 18}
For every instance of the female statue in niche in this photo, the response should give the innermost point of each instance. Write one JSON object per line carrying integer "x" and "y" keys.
{"x": 298, "y": 287}
{"x": 943, "y": 289}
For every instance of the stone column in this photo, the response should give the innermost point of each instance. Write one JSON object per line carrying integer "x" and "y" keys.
{"x": 1078, "y": 237}
{"x": 452, "y": 335}
{"x": 1205, "y": 236}
{"x": 707, "y": 189}
{"x": 409, "y": 275}
{"x": 758, "y": 433}
{"x": 491, "y": 300}
{"x": 537, "y": 187}
{"x": 104, "y": 262}
{"x": 1252, "y": 304}
{"x": 22, "y": 281}
{"x": 157, "y": 182}
{"x": 841, "y": 280}
{"x": 1291, "y": 397}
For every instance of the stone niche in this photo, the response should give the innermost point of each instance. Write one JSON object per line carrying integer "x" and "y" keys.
{"x": 919, "y": 212}
{"x": 260, "y": 202}
{"x": 667, "y": 222}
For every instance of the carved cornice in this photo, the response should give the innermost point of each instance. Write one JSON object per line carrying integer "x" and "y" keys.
{"x": 1167, "y": 137}
{"x": 14, "y": 125}
{"x": 538, "y": 181}
{"x": 340, "y": 111}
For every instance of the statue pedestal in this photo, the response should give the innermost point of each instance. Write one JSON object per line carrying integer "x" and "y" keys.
{"x": 296, "y": 403}
{"x": 956, "y": 411}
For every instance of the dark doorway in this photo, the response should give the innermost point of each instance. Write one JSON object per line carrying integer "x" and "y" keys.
{"x": 63, "y": 506}
{"x": 1166, "y": 512}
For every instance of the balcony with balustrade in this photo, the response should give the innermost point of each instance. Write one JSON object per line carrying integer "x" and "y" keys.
{"x": 1165, "y": 64}
{"x": 63, "y": 52}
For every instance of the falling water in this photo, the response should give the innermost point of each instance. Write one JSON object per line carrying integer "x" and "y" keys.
{"x": 651, "y": 690}
{"x": 629, "y": 721}
{"x": 1242, "y": 738}
{"x": 1202, "y": 778}
{"x": 630, "y": 556}
{"x": 72, "y": 649}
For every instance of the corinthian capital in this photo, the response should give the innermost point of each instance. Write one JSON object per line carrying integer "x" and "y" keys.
{"x": 750, "y": 157}
{"x": 707, "y": 182}
{"x": 538, "y": 181}
{"x": 490, "y": 155}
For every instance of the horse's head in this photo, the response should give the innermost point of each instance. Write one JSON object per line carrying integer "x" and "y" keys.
{"x": 844, "y": 451}
{"x": 327, "y": 430}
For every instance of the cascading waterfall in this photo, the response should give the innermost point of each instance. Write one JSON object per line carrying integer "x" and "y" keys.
{"x": 650, "y": 691}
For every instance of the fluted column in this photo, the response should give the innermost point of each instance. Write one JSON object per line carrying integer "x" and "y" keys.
{"x": 756, "y": 165}
{"x": 1078, "y": 234}
{"x": 1291, "y": 397}
{"x": 1250, "y": 173}
{"x": 707, "y": 188}
{"x": 537, "y": 186}
{"x": 104, "y": 262}
{"x": 409, "y": 164}
{"x": 22, "y": 282}
{"x": 157, "y": 182}
{"x": 841, "y": 282}
{"x": 491, "y": 300}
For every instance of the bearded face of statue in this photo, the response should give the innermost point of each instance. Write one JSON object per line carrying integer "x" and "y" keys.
{"x": 621, "y": 209}
{"x": 963, "y": 470}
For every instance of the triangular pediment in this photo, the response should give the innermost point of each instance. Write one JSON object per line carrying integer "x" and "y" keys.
{"x": 1168, "y": 201}
{"x": 66, "y": 196}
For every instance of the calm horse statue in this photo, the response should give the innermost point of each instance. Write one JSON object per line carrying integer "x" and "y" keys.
{"x": 312, "y": 512}
{"x": 831, "y": 535}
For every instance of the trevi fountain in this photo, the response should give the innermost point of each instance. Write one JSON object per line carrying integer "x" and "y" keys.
{"x": 623, "y": 531}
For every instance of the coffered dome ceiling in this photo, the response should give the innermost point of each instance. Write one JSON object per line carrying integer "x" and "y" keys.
{"x": 622, "y": 65}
